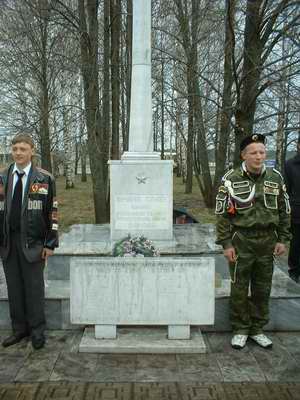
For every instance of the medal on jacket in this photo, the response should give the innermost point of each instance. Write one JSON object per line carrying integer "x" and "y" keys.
{"x": 231, "y": 206}
{"x": 34, "y": 187}
{"x": 40, "y": 188}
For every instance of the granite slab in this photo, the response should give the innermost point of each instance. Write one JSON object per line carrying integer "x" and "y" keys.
{"x": 38, "y": 366}
{"x": 141, "y": 340}
{"x": 74, "y": 367}
{"x": 142, "y": 291}
{"x": 116, "y": 368}
{"x": 239, "y": 367}
{"x": 10, "y": 364}
{"x": 195, "y": 368}
{"x": 277, "y": 364}
{"x": 157, "y": 368}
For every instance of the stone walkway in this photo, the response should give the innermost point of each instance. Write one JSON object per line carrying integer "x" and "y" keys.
{"x": 59, "y": 372}
{"x": 149, "y": 391}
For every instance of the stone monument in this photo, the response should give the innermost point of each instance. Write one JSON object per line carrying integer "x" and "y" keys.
{"x": 177, "y": 292}
{"x": 141, "y": 184}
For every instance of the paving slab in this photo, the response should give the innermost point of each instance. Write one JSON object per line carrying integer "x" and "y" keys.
{"x": 193, "y": 368}
{"x": 278, "y": 365}
{"x": 10, "y": 364}
{"x": 38, "y": 366}
{"x": 239, "y": 367}
{"x": 75, "y": 367}
{"x": 116, "y": 368}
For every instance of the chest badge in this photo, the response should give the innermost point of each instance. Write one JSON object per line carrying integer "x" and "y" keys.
{"x": 39, "y": 188}
{"x": 34, "y": 188}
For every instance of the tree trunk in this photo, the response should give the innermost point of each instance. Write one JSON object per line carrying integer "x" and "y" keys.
{"x": 246, "y": 106}
{"x": 106, "y": 71}
{"x": 178, "y": 139}
{"x": 83, "y": 154}
{"x": 281, "y": 120}
{"x": 44, "y": 96}
{"x": 68, "y": 150}
{"x": 202, "y": 153}
{"x": 190, "y": 138}
{"x": 226, "y": 108}
{"x": 44, "y": 130}
{"x": 76, "y": 158}
{"x": 97, "y": 137}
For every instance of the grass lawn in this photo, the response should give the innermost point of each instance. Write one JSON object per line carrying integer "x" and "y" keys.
{"x": 76, "y": 205}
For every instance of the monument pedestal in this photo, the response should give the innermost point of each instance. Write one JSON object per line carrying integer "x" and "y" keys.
{"x": 141, "y": 198}
{"x": 142, "y": 340}
{"x": 130, "y": 291}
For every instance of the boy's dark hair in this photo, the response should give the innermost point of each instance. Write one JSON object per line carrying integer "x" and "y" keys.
{"x": 23, "y": 137}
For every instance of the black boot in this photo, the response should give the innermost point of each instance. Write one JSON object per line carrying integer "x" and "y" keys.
{"x": 14, "y": 339}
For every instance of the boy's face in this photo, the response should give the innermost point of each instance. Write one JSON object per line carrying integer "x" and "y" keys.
{"x": 254, "y": 156}
{"x": 22, "y": 153}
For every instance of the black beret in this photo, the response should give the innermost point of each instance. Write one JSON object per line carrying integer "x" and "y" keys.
{"x": 255, "y": 138}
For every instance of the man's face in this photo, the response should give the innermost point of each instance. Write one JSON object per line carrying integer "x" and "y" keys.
{"x": 22, "y": 153}
{"x": 254, "y": 156}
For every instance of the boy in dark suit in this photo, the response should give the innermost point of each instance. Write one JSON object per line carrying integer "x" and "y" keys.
{"x": 28, "y": 236}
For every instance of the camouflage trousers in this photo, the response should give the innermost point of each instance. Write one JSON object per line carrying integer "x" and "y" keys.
{"x": 253, "y": 269}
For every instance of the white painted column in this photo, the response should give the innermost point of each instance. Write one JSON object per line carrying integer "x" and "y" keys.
{"x": 140, "y": 126}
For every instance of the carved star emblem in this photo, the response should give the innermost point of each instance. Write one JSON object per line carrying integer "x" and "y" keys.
{"x": 141, "y": 179}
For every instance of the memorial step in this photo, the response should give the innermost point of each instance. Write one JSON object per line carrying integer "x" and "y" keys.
{"x": 191, "y": 240}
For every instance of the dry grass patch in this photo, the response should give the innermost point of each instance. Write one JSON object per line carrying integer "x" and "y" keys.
{"x": 76, "y": 205}
{"x": 192, "y": 202}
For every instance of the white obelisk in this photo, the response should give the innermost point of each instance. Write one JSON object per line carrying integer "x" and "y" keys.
{"x": 141, "y": 184}
{"x": 140, "y": 126}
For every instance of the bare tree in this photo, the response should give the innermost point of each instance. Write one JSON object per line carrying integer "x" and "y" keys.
{"x": 222, "y": 139}
{"x": 263, "y": 30}
{"x": 97, "y": 135}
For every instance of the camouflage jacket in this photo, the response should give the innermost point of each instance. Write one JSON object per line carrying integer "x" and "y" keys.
{"x": 255, "y": 203}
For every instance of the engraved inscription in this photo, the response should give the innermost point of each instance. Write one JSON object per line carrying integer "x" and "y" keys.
{"x": 142, "y": 291}
{"x": 138, "y": 211}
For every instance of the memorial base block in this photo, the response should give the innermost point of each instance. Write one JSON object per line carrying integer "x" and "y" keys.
{"x": 172, "y": 292}
{"x": 141, "y": 199}
{"x": 142, "y": 340}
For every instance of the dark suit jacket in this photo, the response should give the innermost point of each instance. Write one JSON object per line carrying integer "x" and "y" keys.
{"x": 38, "y": 216}
{"x": 292, "y": 178}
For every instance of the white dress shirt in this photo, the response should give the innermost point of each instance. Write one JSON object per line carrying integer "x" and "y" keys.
{"x": 26, "y": 171}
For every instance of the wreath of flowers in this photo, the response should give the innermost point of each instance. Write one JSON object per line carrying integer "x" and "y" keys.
{"x": 138, "y": 246}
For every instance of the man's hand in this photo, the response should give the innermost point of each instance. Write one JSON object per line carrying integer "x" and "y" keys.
{"x": 279, "y": 249}
{"x": 230, "y": 254}
{"x": 47, "y": 253}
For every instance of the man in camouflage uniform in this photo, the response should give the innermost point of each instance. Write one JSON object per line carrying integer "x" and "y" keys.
{"x": 253, "y": 221}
